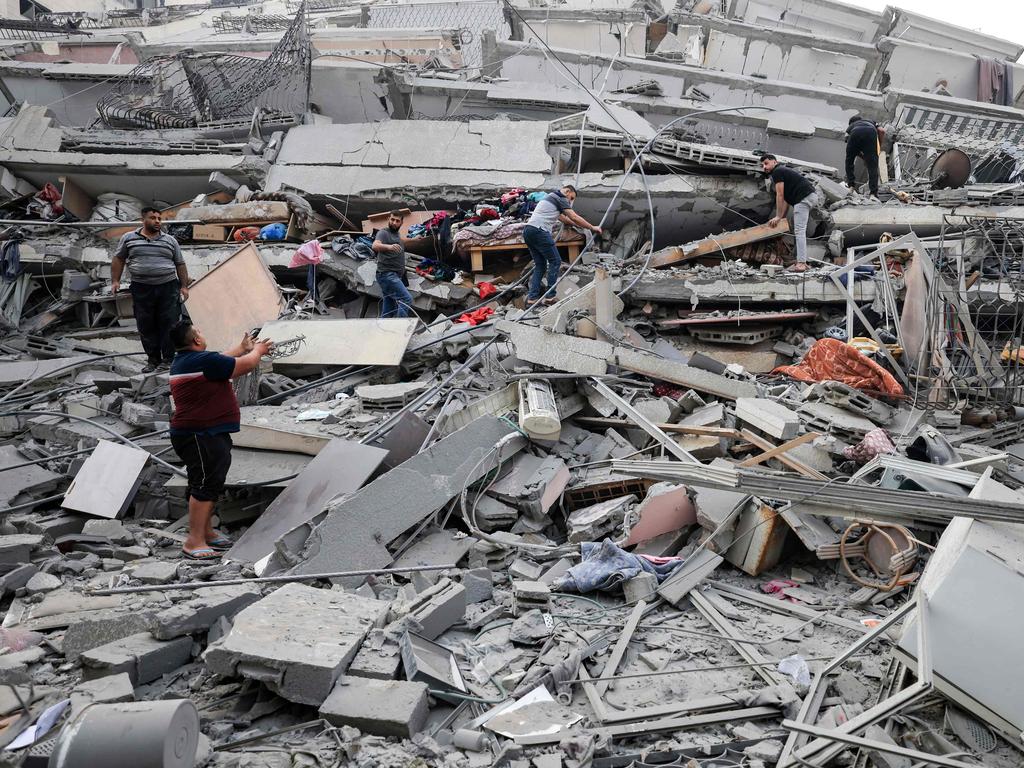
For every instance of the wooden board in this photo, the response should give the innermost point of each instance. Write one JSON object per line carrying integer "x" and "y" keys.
{"x": 710, "y": 246}
{"x": 234, "y": 297}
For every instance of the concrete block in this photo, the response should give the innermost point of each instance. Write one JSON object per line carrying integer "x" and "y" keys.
{"x": 16, "y": 548}
{"x": 596, "y": 521}
{"x": 54, "y": 525}
{"x": 830, "y": 419}
{"x": 525, "y": 570}
{"x": 640, "y": 587}
{"x": 43, "y": 582}
{"x": 17, "y": 577}
{"x": 479, "y": 584}
{"x": 16, "y": 663}
{"x": 141, "y": 656}
{"x": 139, "y": 414}
{"x": 379, "y": 657}
{"x": 100, "y": 627}
{"x": 715, "y": 509}
{"x": 297, "y": 640}
{"x": 110, "y": 529}
{"x": 438, "y": 608}
{"x": 492, "y": 514}
{"x": 769, "y": 417}
{"x": 556, "y": 571}
{"x": 530, "y": 595}
{"x": 32, "y": 479}
{"x": 378, "y": 707}
{"x": 103, "y": 690}
{"x": 202, "y": 610}
{"x": 156, "y": 572}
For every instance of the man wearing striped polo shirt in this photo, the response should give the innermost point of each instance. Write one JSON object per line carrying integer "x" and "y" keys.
{"x": 159, "y": 285}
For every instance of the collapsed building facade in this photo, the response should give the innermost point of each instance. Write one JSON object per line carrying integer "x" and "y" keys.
{"x": 700, "y": 511}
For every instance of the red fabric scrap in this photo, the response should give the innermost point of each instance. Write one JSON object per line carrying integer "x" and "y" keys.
{"x": 666, "y": 390}
{"x": 243, "y": 234}
{"x": 834, "y": 360}
{"x": 486, "y": 289}
{"x": 477, "y": 316}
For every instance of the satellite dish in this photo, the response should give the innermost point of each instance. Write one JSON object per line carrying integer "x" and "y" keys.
{"x": 951, "y": 169}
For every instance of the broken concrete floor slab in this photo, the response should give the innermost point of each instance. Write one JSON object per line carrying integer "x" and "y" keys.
{"x": 341, "y": 467}
{"x": 298, "y": 640}
{"x": 356, "y": 530}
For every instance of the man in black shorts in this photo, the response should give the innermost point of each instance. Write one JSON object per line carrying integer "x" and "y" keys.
{"x": 205, "y": 414}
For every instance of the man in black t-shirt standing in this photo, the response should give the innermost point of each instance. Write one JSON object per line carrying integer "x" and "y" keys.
{"x": 792, "y": 190}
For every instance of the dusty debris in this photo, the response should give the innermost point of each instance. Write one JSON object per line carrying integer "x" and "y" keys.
{"x": 695, "y": 504}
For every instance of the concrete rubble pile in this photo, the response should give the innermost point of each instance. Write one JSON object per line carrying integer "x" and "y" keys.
{"x": 697, "y": 507}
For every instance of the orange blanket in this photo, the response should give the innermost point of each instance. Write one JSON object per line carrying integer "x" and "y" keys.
{"x": 833, "y": 360}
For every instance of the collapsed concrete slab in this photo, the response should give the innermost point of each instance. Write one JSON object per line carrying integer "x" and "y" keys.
{"x": 356, "y": 530}
{"x": 297, "y": 641}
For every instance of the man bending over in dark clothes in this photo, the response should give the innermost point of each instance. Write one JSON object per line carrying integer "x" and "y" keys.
{"x": 862, "y": 138}
{"x": 205, "y": 414}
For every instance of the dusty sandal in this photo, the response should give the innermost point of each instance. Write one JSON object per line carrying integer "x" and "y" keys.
{"x": 203, "y": 553}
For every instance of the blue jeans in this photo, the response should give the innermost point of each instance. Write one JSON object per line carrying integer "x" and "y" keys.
{"x": 395, "y": 298}
{"x": 545, "y": 260}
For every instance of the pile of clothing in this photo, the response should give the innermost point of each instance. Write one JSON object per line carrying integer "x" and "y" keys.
{"x": 490, "y": 220}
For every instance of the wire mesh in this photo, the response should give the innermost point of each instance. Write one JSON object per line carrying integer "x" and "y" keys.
{"x": 470, "y": 16}
{"x": 975, "y": 316}
{"x": 187, "y": 90}
{"x": 253, "y": 22}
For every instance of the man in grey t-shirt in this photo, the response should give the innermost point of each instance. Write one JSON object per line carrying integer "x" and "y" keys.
{"x": 555, "y": 207}
{"x": 396, "y": 300}
{"x": 159, "y": 285}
